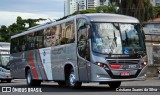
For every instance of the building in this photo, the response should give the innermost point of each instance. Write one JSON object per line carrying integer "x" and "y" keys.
{"x": 155, "y": 3}
{"x": 66, "y": 7}
{"x": 82, "y": 4}
{"x": 102, "y": 2}
{"x": 152, "y": 39}
{"x": 70, "y": 6}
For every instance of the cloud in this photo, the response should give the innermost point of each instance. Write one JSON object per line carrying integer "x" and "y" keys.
{"x": 32, "y": 5}
{"x": 10, "y": 9}
{"x": 7, "y": 18}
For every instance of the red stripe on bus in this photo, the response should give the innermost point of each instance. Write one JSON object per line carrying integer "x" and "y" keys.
{"x": 35, "y": 75}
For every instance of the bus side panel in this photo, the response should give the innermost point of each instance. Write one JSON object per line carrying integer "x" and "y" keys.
{"x": 45, "y": 63}
{"x": 21, "y": 60}
{"x": 84, "y": 69}
{"x": 62, "y": 55}
{"x": 31, "y": 57}
{"x": 40, "y": 64}
{"x": 99, "y": 74}
{"x": 17, "y": 65}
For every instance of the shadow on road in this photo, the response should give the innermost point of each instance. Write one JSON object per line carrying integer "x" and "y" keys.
{"x": 57, "y": 88}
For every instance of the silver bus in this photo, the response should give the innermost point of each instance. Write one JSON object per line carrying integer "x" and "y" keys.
{"x": 98, "y": 47}
{"x": 4, "y": 62}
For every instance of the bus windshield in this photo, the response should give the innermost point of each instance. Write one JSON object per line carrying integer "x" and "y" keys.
{"x": 117, "y": 38}
{"x": 4, "y": 60}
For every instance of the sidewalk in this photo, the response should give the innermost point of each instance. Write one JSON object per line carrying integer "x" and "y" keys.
{"x": 153, "y": 78}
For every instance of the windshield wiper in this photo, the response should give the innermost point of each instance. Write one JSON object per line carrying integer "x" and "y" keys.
{"x": 115, "y": 39}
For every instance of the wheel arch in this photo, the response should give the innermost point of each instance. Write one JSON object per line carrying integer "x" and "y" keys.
{"x": 67, "y": 69}
{"x": 26, "y": 70}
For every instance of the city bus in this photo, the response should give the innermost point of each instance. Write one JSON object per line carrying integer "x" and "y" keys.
{"x": 4, "y": 62}
{"x": 97, "y": 47}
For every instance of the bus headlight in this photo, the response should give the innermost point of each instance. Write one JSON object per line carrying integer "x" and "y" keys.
{"x": 102, "y": 65}
{"x": 145, "y": 63}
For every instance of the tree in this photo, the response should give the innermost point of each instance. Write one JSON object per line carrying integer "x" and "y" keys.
{"x": 85, "y": 11}
{"x": 100, "y": 9}
{"x": 4, "y": 34}
{"x": 33, "y": 22}
{"x": 106, "y": 9}
{"x": 141, "y": 9}
{"x": 156, "y": 11}
{"x": 17, "y": 27}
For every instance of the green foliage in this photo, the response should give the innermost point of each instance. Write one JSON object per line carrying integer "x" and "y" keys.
{"x": 106, "y": 9}
{"x": 156, "y": 11}
{"x": 17, "y": 27}
{"x": 141, "y": 9}
{"x": 63, "y": 17}
{"x": 3, "y": 33}
{"x": 33, "y": 22}
{"x": 100, "y": 9}
{"x": 87, "y": 11}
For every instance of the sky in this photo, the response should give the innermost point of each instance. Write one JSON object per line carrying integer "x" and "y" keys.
{"x": 10, "y": 9}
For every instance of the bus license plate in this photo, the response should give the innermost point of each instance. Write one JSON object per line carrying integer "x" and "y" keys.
{"x": 124, "y": 73}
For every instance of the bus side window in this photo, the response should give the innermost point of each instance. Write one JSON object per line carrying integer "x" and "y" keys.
{"x": 31, "y": 41}
{"x": 67, "y": 35}
{"x": 83, "y": 46}
{"x": 13, "y": 45}
{"x": 39, "y": 39}
{"x": 52, "y": 36}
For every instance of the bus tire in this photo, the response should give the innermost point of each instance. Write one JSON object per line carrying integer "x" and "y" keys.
{"x": 37, "y": 82}
{"x": 71, "y": 81}
{"x": 30, "y": 81}
{"x": 61, "y": 83}
{"x": 114, "y": 85}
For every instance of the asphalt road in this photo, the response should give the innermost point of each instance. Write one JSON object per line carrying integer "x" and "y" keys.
{"x": 148, "y": 87}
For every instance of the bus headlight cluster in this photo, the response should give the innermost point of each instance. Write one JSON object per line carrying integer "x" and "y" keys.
{"x": 145, "y": 63}
{"x": 102, "y": 65}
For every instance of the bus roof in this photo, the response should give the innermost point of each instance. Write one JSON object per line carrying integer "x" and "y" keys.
{"x": 92, "y": 17}
{"x": 106, "y": 17}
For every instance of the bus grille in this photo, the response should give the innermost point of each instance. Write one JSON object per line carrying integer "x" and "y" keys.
{"x": 123, "y": 61}
{"x": 122, "y": 77}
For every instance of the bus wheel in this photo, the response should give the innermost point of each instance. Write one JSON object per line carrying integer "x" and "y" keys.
{"x": 30, "y": 81}
{"x": 114, "y": 84}
{"x": 72, "y": 80}
{"x": 37, "y": 82}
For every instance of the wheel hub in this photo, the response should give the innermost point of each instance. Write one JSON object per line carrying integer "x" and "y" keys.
{"x": 29, "y": 79}
{"x": 72, "y": 79}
